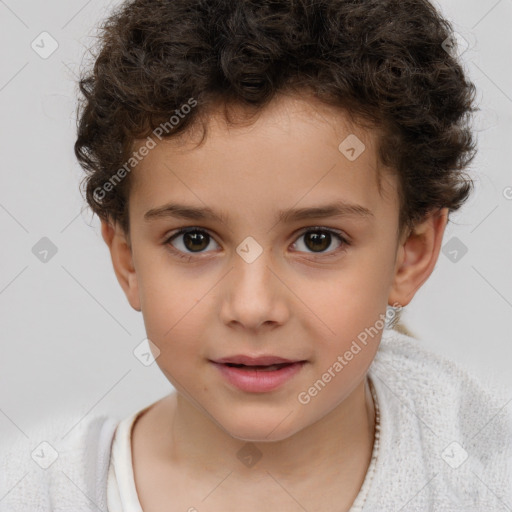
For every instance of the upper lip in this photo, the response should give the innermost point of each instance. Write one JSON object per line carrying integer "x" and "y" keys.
{"x": 255, "y": 361}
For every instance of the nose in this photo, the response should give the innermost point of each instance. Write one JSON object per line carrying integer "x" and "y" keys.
{"x": 254, "y": 295}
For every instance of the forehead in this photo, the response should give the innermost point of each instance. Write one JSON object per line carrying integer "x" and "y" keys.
{"x": 296, "y": 151}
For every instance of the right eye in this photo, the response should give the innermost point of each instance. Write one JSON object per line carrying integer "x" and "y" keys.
{"x": 188, "y": 241}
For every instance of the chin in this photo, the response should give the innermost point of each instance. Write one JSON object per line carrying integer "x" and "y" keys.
{"x": 266, "y": 429}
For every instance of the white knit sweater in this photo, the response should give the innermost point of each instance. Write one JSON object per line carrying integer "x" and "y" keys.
{"x": 445, "y": 445}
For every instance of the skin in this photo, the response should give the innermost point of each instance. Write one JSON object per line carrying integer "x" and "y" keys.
{"x": 290, "y": 301}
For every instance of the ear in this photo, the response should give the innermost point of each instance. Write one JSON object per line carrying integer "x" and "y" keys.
{"x": 122, "y": 260}
{"x": 417, "y": 256}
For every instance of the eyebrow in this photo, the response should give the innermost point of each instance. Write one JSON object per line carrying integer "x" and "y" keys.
{"x": 337, "y": 209}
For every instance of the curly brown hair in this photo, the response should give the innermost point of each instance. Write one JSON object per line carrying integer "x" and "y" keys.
{"x": 383, "y": 61}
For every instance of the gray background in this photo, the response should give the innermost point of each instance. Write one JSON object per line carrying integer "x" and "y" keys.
{"x": 68, "y": 332}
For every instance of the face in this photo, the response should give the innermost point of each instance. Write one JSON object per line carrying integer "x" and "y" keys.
{"x": 266, "y": 266}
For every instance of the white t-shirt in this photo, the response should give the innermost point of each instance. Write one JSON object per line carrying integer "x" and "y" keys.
{"x": 121, "y": 490}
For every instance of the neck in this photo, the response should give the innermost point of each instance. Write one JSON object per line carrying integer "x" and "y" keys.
{"x": 340, "y": 444}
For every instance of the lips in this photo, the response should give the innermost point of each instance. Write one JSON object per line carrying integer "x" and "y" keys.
{"x": 258, "y": 374}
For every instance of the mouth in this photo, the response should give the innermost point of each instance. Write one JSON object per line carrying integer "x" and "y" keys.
{"x": 259, "y": 374}
{"x": 262, "y": 361}
{"x": 262, "y": 368}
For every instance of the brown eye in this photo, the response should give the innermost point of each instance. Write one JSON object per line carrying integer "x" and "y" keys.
{"x": 318, "y": 240}
{"x": 195, "y": 241}
{"x": 190, "y": 240}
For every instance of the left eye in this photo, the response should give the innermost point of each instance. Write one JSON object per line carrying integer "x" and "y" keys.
{"x": 195, "y": 240}
{"x": 319, "y": 239}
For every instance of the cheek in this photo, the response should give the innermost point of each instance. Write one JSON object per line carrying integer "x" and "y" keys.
{"x": 345, "y": 317}
{"x": 171, "y": 304}
{"x": 347, "y": 301}
{"x": 343, "y": 358}
{"x": 172, "y": 324}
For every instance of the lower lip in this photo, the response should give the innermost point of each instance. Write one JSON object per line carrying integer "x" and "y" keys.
{"x": 258, "y": 381}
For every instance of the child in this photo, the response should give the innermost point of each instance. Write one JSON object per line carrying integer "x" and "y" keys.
{"x": 313, "y": 152}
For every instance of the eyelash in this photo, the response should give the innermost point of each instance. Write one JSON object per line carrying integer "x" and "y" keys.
{"x": 338, "y": 234}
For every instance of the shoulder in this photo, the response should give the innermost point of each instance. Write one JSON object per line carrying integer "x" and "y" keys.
{"x": 436, "y": 415}
{"x": 427, "y": 379}
{"x": 61, "y": 458}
